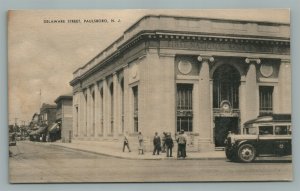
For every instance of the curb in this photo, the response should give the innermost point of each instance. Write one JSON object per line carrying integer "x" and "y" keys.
{"x": 132, "y": 158}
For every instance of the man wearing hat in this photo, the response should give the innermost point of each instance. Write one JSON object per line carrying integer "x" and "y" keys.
{"x": 156, "y": 144}
{"x": 169, "y": 143}
{"x": 181, "y": 140}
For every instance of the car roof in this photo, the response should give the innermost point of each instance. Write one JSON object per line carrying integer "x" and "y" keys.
{"x": 270, "y": 118}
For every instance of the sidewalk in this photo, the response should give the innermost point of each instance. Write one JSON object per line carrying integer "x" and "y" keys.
{"x": 114, "y": 149}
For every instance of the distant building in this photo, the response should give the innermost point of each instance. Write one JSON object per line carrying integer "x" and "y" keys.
{"x": 167, "y": 74}
{"x": 34, "y": 121}
{"x": 47, "y": 114}
{"x": 64, "y": 116}
{"x": 47, "y": 119}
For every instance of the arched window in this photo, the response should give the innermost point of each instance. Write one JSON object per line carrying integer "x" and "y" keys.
{"x": 226, "y": 86}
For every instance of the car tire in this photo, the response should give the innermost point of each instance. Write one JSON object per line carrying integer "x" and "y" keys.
{"x": 246, "y": 153}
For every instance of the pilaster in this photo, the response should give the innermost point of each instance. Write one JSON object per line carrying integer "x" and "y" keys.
{"x": 205, "y": 105}
{"x": 251, "y": 90}
{"x": 284, "y": 86}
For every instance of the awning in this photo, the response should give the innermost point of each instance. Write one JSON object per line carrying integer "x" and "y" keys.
{"x": 54, "y": 128}
{"x": 39, "y": 131}
{"x": 32, "y": 133}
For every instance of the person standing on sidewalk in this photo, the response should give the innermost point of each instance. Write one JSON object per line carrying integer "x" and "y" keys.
{"x": 156, "y": 144}
{"x": 141, "y": 143}
{"x": 169, "y": 144}
{"x": 126, "y": 143}
{"x": 163, "y": 140}
{"x": 181, "y": 140}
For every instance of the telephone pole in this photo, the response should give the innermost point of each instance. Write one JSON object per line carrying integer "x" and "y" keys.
{"x": 16, "y": 120}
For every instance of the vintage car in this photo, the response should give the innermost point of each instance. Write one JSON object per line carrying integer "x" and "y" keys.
{"x": 264, "y": 136}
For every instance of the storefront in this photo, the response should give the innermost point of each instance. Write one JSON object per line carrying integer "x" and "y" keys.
{"x": 166, "y": 74}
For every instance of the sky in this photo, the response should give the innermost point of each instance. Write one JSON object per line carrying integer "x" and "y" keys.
{"x": 43, "y": 56}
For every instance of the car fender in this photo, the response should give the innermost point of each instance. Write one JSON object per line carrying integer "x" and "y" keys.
{"x": 248, "y": 142}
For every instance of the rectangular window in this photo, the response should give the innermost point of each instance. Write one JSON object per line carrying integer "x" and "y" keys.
{"x": 135, "y": 108}
{"x": 184, "y": 105}
{"x": 266, "y": 130}
{"x": 265, "y": 100}
{"x": 281, "y": 130}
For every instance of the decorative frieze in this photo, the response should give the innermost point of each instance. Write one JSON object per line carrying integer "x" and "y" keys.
{"x": 235, "y": 45}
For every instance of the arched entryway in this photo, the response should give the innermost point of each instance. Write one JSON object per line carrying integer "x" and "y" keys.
{"x": 226, "y": 82}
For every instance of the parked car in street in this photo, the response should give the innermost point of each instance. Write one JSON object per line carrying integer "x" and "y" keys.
{"x": 264, "y": 136}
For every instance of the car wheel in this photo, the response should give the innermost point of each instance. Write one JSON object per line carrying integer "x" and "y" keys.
{"x": 246, "y": 153}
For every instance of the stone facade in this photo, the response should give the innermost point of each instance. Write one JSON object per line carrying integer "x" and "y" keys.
{"x": 64, "y": 116}
{"x": 205, "y": 76}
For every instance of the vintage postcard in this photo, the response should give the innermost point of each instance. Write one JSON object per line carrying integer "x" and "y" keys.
{"x": 149, "y": 95}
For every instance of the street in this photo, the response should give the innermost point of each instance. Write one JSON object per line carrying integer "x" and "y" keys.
{"x": 37, "y": 162}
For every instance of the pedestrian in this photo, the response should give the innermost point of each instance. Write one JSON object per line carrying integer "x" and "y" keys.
{"x": 156, "y": 144}
{"x": 164, "y": 142}
{"x": 181, "y": 140}
{"x": 126, "y": 143}
{"x": 169, "y": 144}
{"x": 141, "y": 143}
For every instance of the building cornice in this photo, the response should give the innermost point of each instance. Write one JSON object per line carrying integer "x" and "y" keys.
{"x": 133, "y": 36}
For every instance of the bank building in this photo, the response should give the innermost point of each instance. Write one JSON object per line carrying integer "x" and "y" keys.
{"x": 167, "y": 73}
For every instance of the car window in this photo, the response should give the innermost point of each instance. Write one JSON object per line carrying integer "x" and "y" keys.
{"x": 251, "y": 131}
{"x": 281, "y": 130}
{"x": 266, "y": 130}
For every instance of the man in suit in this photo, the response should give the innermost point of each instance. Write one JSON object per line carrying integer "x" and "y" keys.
{"x": 181, "y": 140}
{"x": 126, "y": 142}
{"x": 169, "y": 144}
{"x": 156, "y": 144}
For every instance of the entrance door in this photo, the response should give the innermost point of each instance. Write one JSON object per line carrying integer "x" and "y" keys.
{"x": 222, "y": 126}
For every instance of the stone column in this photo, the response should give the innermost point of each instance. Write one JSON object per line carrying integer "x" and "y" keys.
{"x": 81, "y": 114}
{"x": 89, "y": 113}
{"x": 84, "y": 113}
{"x": 101, "y": 109}
{"x": 126, "y": 99}
{"x": 115, "y": 106}
{"x": 106, "y": 117}
{"x": 96, "y": 109}
{"x": 205, "y": 105}
{"x": 251, "y": 109}
{"x": 120, "y": 106}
